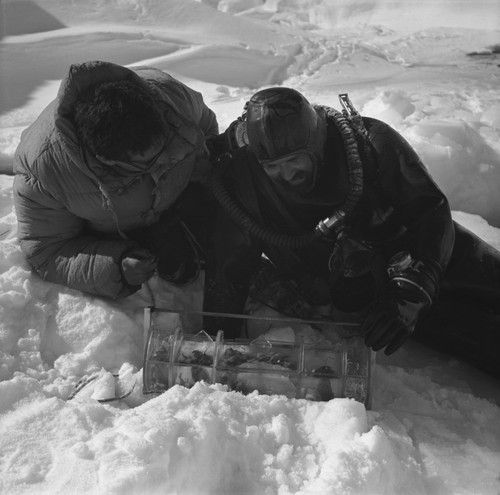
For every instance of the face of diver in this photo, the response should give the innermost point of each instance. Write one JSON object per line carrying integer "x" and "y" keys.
{"x": 294, "y": 172}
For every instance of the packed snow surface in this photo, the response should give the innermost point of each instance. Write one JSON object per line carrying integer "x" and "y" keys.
{"x": 428, "y": 68}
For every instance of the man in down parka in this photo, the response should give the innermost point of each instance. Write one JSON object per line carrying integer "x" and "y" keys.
{"x": 103, "y": 177}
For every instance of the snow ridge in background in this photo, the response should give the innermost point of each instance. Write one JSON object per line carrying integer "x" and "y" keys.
{"x": 429, "y": 69}
{"x": 320, "y": 48}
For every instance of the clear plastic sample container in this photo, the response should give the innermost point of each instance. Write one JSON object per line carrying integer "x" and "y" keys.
{"x": 316, "y": 369}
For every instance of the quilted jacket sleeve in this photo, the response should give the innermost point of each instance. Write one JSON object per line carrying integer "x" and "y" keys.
{"x": 54, "y": 243}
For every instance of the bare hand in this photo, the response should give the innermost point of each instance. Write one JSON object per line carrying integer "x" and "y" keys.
{"x": 138, "y": 266}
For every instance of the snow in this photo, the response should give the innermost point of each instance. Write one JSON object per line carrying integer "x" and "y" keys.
{"x": 433, "y": 426}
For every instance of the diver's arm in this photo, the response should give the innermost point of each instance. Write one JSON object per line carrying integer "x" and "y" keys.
{"x": 415, "y": 273}
{"x": 420, "y": 204}
{"x": 232, "y": 259}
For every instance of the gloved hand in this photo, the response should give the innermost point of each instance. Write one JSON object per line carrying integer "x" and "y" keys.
{"x": 412, "y": 289}
{"x": 138, "y": 266}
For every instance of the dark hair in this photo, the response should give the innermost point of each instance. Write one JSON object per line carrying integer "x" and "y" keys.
{"x": 115, "y": 119}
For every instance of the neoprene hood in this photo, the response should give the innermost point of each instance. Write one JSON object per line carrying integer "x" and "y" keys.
{"x": 280, "y": 121}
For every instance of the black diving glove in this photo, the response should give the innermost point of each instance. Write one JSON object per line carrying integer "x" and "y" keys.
{"x": 413, "y": 286}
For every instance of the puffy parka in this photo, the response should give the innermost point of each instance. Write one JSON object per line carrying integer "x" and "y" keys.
{"x": 74, "y": 212}
{"x": 400, "y": 208}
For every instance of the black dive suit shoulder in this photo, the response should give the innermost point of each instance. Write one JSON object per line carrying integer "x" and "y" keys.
{"x": 401, "y": 208}
{"x": 400, "y": 192}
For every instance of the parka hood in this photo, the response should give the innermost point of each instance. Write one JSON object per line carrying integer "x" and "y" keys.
{"x": 82, "y": 76}
{"x": 79, "y": 78}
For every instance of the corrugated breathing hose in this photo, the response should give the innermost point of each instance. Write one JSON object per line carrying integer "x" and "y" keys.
{"x": 326, "y": 228}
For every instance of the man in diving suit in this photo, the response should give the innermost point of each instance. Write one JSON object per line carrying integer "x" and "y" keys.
{"x": 346, "y": 215}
